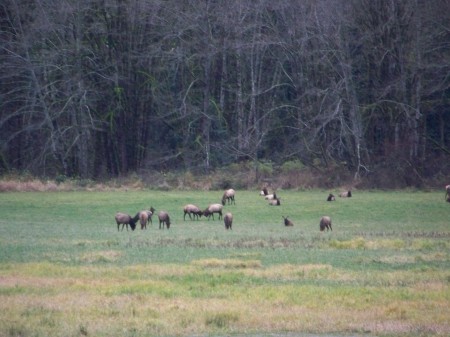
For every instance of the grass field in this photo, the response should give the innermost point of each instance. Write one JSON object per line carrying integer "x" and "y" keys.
{"x": 384, "y": 270}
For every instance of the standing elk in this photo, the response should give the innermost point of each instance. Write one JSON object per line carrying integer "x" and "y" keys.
{"x": 192, "y": 209}
{"x": 164, "y": 219}
{"x": 213, "y": 208}
{"x": 325, "y": 222}
{"x": 447, "y": 193}
{"x": 125, "y": 220}
{"x": 145, "y": 216}
{"x": 228, "y": 220}
{"x": 228, "y": 195}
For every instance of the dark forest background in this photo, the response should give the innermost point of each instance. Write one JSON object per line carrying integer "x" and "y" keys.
{"x": 106, "y": 88}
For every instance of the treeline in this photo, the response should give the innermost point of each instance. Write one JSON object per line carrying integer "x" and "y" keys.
{"x": 101, "y": 88}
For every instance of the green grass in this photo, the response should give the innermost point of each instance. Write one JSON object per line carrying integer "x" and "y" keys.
{"x": 65, "y": 270}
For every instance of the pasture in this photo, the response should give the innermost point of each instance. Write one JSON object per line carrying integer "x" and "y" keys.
{"x": 384, "y": 270}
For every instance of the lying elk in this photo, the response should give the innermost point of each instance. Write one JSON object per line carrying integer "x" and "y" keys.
{"x": 347, "y": 194}
{"x": 287, "y": 222}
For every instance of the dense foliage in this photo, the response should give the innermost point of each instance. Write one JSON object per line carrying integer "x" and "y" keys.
{"x": 104, "y": 88}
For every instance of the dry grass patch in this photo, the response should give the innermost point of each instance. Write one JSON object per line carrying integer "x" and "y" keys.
{"x": 239, "y": 295}
{"x": 227, "y": 263}
{"x": 290, "y": 272}
{"x": 102, "y": 256}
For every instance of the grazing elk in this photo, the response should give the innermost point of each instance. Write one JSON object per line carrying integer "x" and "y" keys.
{"x": 325, "y": 222}
{"x": 164, "y": 219}
{"x": 125, "y": 220}
{"x": 228, "y": 220}
{"x": 228, "y": 195}
{"x": 145, "y": 216}
{"x": 213, "y": 208}
{"x": 192, "y": 209}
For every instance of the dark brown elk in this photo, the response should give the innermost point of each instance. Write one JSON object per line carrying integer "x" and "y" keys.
{"x": 125, "y": 220}
{"x": 164, "y": 219}
{"x": 287, "y": 222}
{"x": 331, "y": 197}
{"x": 228, "y": 220}
{"x": 213, "y": 208}
{"x": 325, "y": 222}
{"x": 192, "y": 209}
{"x": 228, "y": 195}
{"x": 264, "y": 191}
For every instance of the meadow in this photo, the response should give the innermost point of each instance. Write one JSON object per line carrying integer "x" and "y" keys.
{"x": 384, "y": 270}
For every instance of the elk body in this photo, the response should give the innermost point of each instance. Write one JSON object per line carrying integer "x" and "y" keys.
{"x": 347, "y": 194}
{"x": 275, "y": 202}
{"x": 287, "y": 222}
{"x": 164, "y": 219}
{"x": 192, "y": 209}
{"x": 228, "y": 195}
{"x": 125, "y": 220}
{"x": 213, "y": 208}
{"x": 228, "y": 220}
{"x": 325, "y": 222}
{"x": 145, "y": 216}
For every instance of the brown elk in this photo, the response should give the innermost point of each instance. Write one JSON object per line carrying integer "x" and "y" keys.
{"x": 325, "y": 222}
{"x": 213, "y": 208}
{"x": 287, "y": 222}
{"x": 228, "y": 195}
{"x": 125, "y": 220}
{"x": 192, "y": 209}
{"x": 228, "y": 220}
{"x": 164, "y": 219}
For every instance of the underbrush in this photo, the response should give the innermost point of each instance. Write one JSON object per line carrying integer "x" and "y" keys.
{"x": 243, "y": 176}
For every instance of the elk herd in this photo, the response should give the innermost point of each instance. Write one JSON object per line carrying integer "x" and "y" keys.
{"x": 144, "y": 217}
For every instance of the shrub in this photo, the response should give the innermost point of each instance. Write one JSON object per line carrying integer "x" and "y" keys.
{"x": 292, "y": 166}
{"x": 265, "y": 168}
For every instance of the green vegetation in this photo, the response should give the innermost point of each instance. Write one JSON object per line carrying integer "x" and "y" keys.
{"x": 65, "y": 270}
